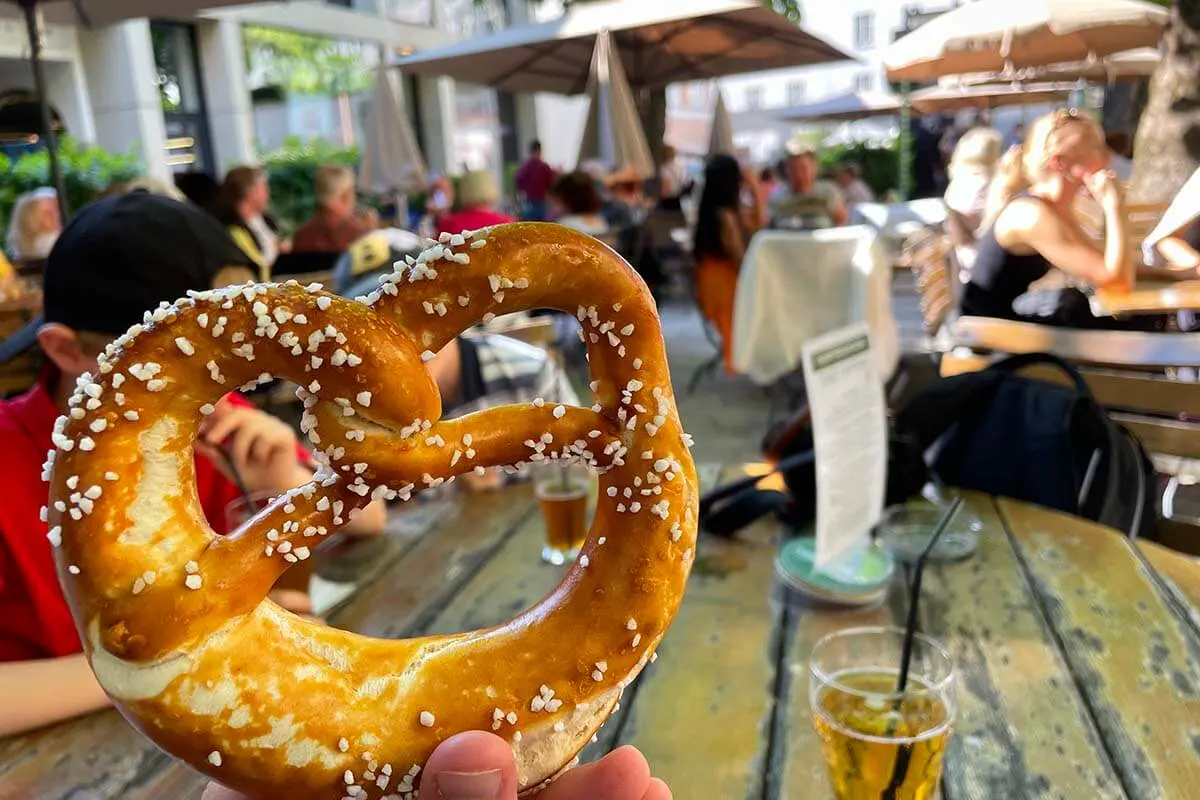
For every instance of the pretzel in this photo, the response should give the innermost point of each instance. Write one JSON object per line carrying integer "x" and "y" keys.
{"x": 174, "y": 618}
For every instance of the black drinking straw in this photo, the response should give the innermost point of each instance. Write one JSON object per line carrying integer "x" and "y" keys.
{"x": 900, "y": 770}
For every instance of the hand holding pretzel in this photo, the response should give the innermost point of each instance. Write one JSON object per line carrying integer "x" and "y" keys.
{"x": 174, "y": 619}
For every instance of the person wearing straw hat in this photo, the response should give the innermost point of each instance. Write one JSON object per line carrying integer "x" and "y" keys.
{"x": 478, "y": 193}
{"x": 1033, "y": 229}
{"x": 117, "y": 259}
{"x": 805, "y": 203}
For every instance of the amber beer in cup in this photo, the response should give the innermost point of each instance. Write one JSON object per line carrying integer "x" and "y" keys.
{"x": 562, "y": 494}
{"x": 877, "y": 743}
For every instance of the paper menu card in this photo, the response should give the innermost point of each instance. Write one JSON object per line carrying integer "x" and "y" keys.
{"x": 846, "y": 399}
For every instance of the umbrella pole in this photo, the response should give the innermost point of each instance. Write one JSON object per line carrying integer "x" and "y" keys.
{"x": 34, "y": 29}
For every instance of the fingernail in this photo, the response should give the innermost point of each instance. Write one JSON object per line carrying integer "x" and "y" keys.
{"x": 469, "y": 785}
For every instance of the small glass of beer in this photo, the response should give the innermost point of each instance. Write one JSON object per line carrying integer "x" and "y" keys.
{"x": 562, "y": 492}
{"x": 880, "y": 744}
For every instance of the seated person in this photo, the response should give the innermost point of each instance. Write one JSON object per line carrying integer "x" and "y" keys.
{"x": 848, "y": 178}
{"x": 971, "y": 170}
{"x": 724, "y": 226}
{"x": 34, "y": 225}
{"x": 1175, "y": 241}
{"x": 578, "y": 203}
{"x": 337, "y": 222}
{"x": 478, "y": 196}
{"x": 1034, "y": 229}
{"x": 625, "y": 198}
{"x": 118, "y": 258}
{"x": 245, "y": 197}
{"x": 803, "y": 202}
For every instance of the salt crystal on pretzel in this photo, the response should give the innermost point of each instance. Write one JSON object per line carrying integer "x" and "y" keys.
{"x": 175, "y": 618}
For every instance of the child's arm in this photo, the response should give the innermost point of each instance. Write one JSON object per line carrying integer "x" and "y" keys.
{"x": 36, "y": 693}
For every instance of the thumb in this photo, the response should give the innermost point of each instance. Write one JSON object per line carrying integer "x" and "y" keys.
{"x": 474, "y": 765}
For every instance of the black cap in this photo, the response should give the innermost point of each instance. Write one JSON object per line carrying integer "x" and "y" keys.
{"x": 120, "y": 257}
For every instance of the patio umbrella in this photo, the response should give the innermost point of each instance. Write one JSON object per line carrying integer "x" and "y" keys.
{"x": 1130, "y": 65}
{"x": 88, "y": 14}
{"x": 845, "y": 107}
{"x": 720, "y": 139}
{"x": 995, "y": 35}
{"x": 660, "y": 41}
{"x": 392, "y": 163}
{"x": 613, "y": 133}
{"x": 938, "y": 99}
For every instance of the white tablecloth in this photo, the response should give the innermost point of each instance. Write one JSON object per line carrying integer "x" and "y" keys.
{"x": 794, "y": 286}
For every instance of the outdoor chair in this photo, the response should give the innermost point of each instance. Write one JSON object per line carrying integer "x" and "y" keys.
{"x": 930, "y": 256}
{"x": 1147, "y": 381}
{"x": 21, "y": 372}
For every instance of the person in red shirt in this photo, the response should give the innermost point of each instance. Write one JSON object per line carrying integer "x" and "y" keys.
{"x": 534, "y": 179}
{"x": 478, "y": 195}
{"x": 117, "y": 259}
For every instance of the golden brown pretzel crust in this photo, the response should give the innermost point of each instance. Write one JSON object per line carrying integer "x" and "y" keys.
{"x": 174, "y": 618}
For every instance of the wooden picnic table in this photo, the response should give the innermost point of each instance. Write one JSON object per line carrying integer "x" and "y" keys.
{"x": 1149, "y": 297}
{"x": 1079, "y": 660}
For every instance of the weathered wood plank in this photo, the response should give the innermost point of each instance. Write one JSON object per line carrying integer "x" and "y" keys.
{"x": 1182, "y": 572}
{"x": 1022, "y": 729}
{"x": 91, "y": 757}
{"x": 400, "y": 602}
{"x": 1135, "y": 659}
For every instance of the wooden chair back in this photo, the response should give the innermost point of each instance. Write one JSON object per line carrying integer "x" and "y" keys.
{"x": 21, "y": 372}
{"x": 928, "y": 255}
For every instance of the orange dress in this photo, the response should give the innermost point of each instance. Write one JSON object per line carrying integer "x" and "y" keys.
{"x": 716, "y": 285}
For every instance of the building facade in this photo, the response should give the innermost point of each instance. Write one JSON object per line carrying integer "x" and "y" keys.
{"x": 105, "y": 82}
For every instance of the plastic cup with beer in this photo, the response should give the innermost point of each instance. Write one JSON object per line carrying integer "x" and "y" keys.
{"x": 562, "y": 493}
{"x": 880, "y": 743}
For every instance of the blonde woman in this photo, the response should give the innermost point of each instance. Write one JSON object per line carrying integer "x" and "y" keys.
{"x": 35, "y": 225}
{"x": 478, "y": 194}
{"x": 1034, "y": 230}
{"x": 971, "y": 171}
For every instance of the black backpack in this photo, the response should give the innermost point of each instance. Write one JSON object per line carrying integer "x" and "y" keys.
{"x": 1005, "y": 434}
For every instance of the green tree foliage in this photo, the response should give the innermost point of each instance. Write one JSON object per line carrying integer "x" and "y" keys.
{"x": 306, "y": 64}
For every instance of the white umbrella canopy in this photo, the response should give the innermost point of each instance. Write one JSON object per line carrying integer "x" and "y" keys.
{"x": 845, "y": 107}
{"x": 720, "y": 137}
{"x": 391, "y": 162}
{"x": 995, "y": 35}
{"x": 613, "y": 133}
{"x": 938, "y": 99}
{"x": 1130, "y": 65}
{"x": 660, "y": 42}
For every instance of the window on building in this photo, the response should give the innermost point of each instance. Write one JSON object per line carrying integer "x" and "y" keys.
{"x": 795, "y": 93}
{"x": 864, "y": 82}
{"x": 754, "y": 97}
{"x": 177, "y": 63}
{"x": 864, "y": 30}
